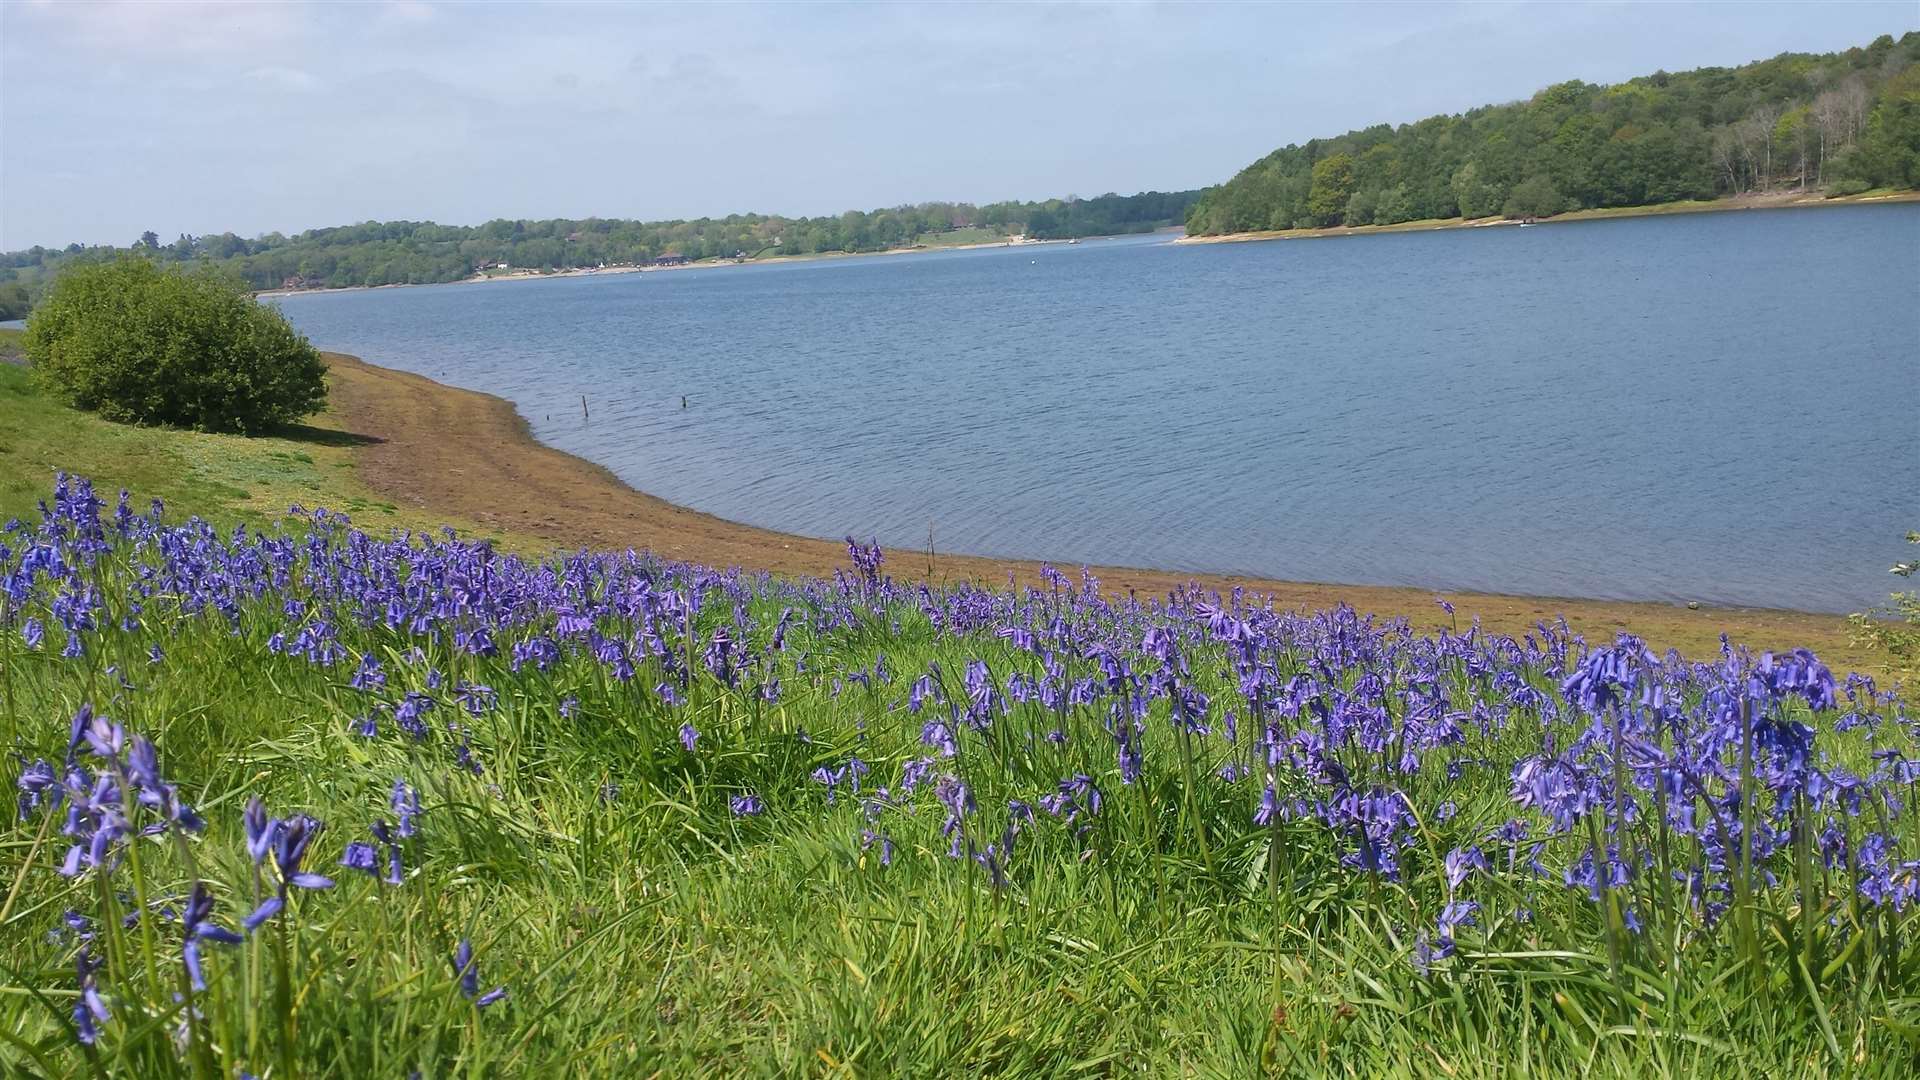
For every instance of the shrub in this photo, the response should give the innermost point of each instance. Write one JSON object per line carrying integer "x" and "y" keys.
{"x": 1847, "y": 187}
{"x": 144, "y": 345}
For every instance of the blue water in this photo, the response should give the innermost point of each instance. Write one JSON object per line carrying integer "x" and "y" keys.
{"x": 1714, "y": 407}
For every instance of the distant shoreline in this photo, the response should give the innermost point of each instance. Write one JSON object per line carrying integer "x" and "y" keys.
{"x": 703, "y": 264}
{"x": 1779, "y": 201}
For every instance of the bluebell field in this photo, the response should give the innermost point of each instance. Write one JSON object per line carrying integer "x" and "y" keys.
{"x": 1437, "y": 820}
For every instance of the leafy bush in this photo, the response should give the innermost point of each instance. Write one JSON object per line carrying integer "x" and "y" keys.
{"x": 1847, "y": 187}
{"x": 140, "y": 344}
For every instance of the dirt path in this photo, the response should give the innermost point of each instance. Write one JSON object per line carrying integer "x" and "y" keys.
{"x": 469, "y": 456}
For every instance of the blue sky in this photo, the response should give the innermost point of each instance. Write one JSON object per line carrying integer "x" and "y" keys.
{"x": 202, "y": 117}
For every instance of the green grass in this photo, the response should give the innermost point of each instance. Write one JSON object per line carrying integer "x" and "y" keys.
{"x": 225, "y": 478}
{"x": 643, "y": 930}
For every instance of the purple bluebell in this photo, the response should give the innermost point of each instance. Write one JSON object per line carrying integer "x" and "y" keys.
{"x": 467, "y": 970}
{"x": 198, "y": 926}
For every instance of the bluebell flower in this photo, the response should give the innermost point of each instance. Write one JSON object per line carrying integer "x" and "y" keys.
{"x": 199, "y": 926}
{"x": 39, "y": 786}
{"x": 360, "y": 855}
{"x": 391, "y": 842}
{"x": 90, "y": 1009}
{"x": 868, "y": 838}
{"x": 1462, "y": 861}
{"x": 406, "y": 807}
{"x": 260, "y": 829}
{"x": 468, "y": 972}
{"x": 1269, "y": 807}
{"x": 289, "y": 848}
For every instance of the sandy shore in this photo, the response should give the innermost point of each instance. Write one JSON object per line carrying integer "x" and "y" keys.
{"x": 1773, "y": 201}
{"x": 470, "y": 457}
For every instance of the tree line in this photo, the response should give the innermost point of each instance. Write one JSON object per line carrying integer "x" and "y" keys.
{"x": 418, "y": 252}
{"x": 1846, "y": 122}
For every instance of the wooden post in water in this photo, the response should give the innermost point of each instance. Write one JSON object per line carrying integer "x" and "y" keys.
{"x": 583, "y": 407}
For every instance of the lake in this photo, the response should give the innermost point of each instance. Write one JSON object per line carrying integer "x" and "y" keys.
{"x": 1718, "y": 407}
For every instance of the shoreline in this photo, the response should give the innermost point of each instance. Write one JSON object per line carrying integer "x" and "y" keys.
{"x": 470, "y": 456}
{"x": 704, "y": 264}
{"x": 1781, "y": 201}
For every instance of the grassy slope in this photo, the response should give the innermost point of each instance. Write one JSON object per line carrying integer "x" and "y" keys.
{"x": 224, "y": 478}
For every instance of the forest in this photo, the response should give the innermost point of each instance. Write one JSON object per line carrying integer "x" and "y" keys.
{"x": 419, "y": 252}
{"x": 1844, "y": 122}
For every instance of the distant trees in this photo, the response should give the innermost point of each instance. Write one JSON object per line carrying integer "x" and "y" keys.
{"x": 14, "y": 301}
{"x": 1534, "y": 197}
{"x": 140, "y": 343}
{"x": 412, "y": 252}
{"x": 1474, "y": 196}
{"x": 1105, "y": 215}
{"x": 1393, "y": 206}
{"x": 1332, "y": 189}
{"x": 1799, "y": 120}
{"x": 1888, "y": 152}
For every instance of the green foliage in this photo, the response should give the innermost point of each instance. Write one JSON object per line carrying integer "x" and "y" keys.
{"x": 1361, "y": 208}
{"x": 1474, "y": 196}
{"x": 1889, "y": 153}
{"x": 14, "y": 301}
{"x": 1896, "y": 627}
{"x": 1535, "y": 197}
{"x": 1840, "y": 189}
{"x": 139, "y": 343}
{"x": 1107, "y": 215}
{"x": 1797, "y": 119}
{"x": 1332, "y": 188}
{"x": 1393, "y": 207}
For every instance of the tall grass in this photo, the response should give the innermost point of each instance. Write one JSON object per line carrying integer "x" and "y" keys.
{"x": 689, "y": 822}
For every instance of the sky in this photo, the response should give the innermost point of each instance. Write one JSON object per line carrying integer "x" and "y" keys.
{"x": 209, "y": 117}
